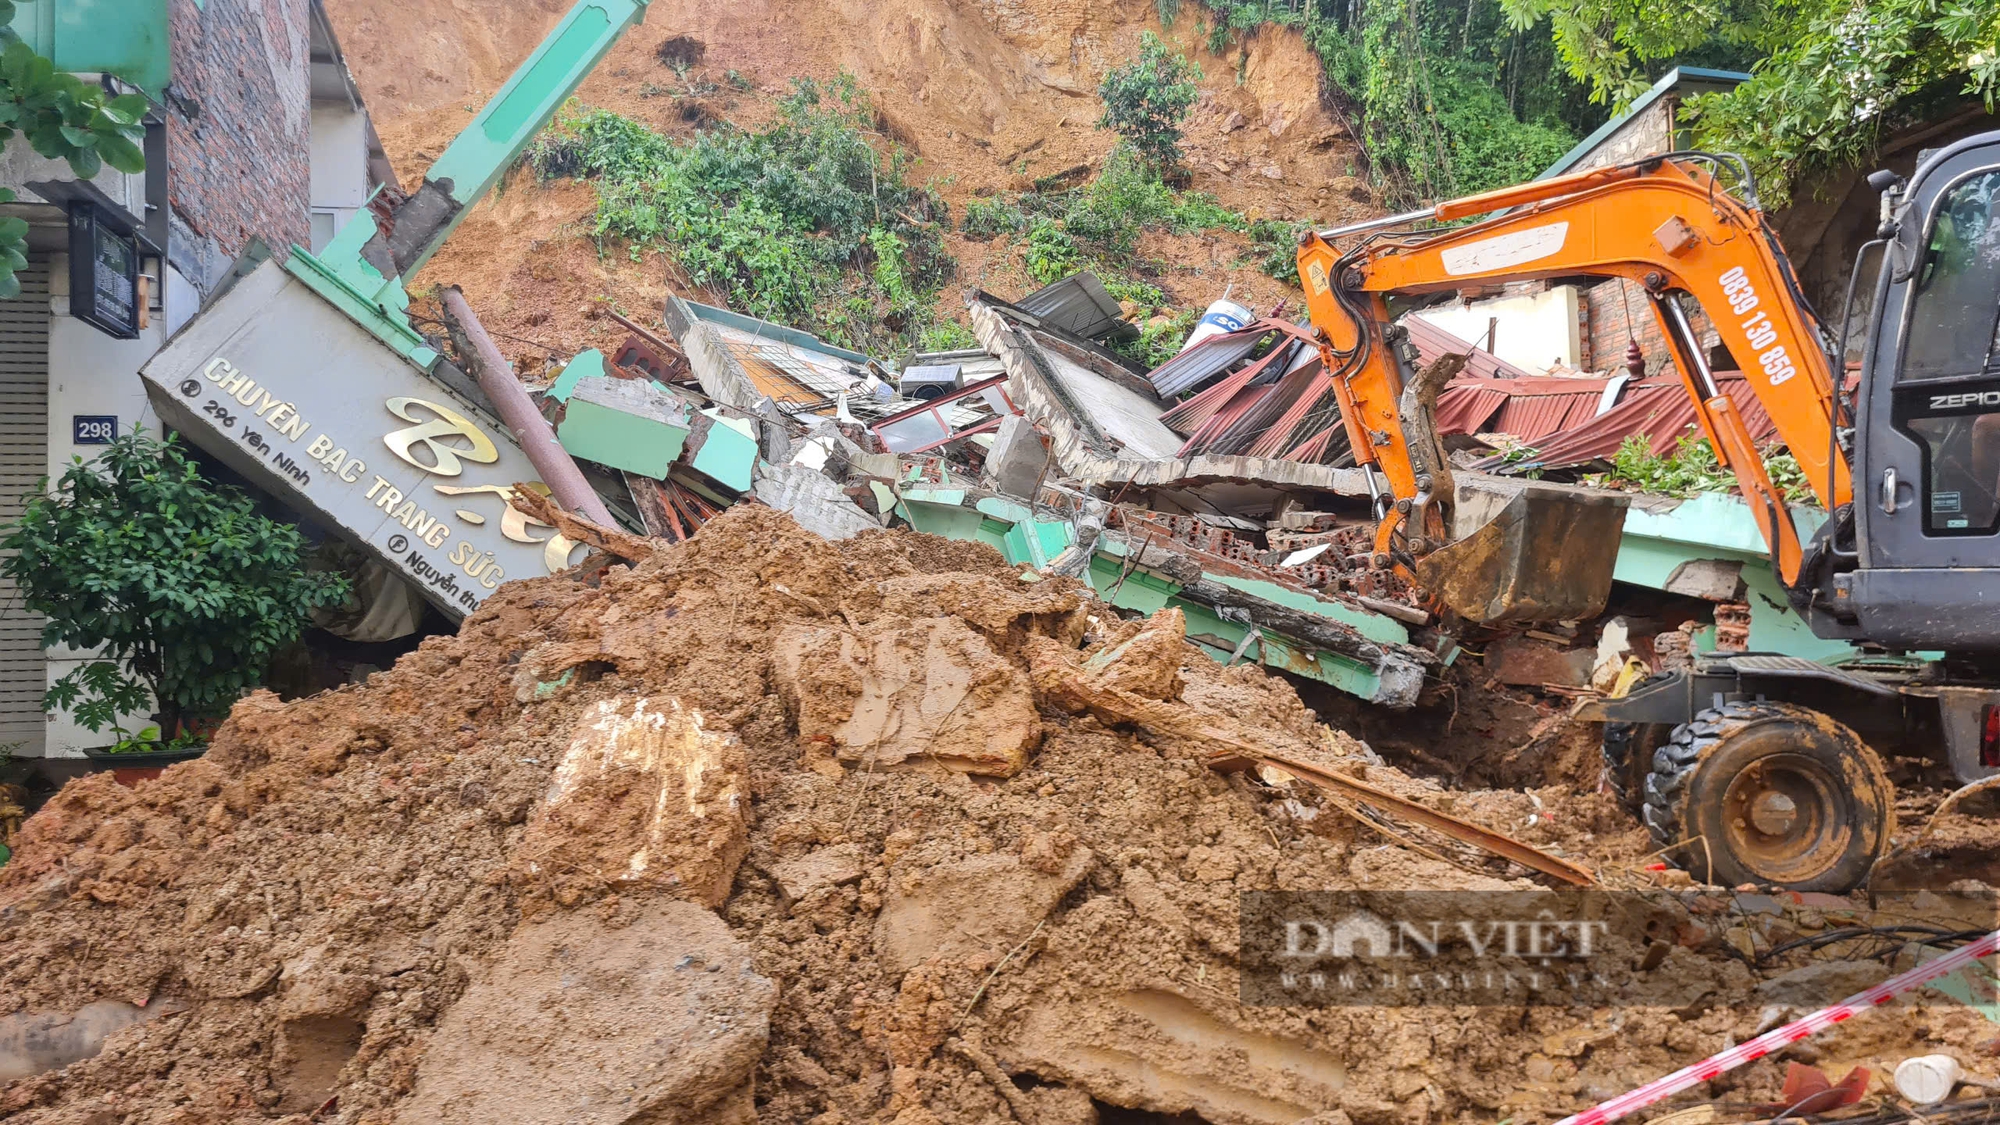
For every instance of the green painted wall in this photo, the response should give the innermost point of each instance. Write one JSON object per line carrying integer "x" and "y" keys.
{"x": 1715, "y": 525}
{"x": 127, "y": 38}
{"x": 645, "y": 446}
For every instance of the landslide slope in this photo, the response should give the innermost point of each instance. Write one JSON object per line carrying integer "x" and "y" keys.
{"x": 990, "y": 96}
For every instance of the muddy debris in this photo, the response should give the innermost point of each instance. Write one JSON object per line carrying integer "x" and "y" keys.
{"x": 769, "y": 828}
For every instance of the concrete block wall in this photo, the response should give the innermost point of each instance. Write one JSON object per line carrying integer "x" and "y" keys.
{"x": 239, "y": 130}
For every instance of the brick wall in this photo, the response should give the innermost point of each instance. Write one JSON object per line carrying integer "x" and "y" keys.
{"x": 1615, "y": 312}
{"x": 239, "y": 130}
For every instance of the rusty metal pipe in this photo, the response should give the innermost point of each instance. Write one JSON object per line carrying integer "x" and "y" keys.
{"x": 530, "y": 429}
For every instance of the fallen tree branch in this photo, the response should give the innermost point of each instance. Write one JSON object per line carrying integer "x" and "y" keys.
{"x": 1242, "y": 756}
{"x": 610, "y": 540}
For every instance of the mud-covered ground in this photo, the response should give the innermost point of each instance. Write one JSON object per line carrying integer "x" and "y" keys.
{"x": 768, "y": 828}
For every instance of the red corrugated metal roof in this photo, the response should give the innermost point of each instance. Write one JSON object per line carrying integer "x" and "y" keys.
{"x": 1524, "y": 408}
{"x": 1658, "y": 408}
{"x": 1432, "y": 342}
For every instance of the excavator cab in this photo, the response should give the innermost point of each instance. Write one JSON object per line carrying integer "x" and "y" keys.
{"x": 1767, "y": 768}
{"x": 1927, "y": 456}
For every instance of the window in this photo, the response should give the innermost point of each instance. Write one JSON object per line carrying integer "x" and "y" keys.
{"x": 324, "y": 224}
{"x": 1955, "y": 309}
{"x": 1961, "y": 471}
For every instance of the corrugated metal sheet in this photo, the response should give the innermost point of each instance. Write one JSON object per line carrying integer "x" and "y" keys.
{"x": 1659, "y": 408}
{"x": 1205, "y": 360}
{"x": 1078, "y": 304}
{"x": 1466, "y": 408}
{"x": 24, "y": 403}
{"x": 1433, "y": 342}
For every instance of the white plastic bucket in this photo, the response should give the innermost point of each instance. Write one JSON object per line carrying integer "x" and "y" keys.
{"x": 1928, "y": 1079}
{"x": 1222, "y": 316}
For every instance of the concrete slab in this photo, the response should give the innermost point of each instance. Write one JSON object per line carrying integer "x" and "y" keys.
{"x": 1100, "y": 432}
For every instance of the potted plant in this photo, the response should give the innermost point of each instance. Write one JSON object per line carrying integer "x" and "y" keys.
{"x": 180, "y": 587}
{"x": 142, "y": 754}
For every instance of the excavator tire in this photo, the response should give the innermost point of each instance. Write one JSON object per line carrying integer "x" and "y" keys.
{"x": 1773, "y": 794}
{"x": 1628, "y": 760}
{"x": 1628, "y": 750}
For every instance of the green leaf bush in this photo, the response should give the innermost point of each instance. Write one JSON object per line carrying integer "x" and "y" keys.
{"x": 184, "y": 588}
{"x": 805, "y": 222}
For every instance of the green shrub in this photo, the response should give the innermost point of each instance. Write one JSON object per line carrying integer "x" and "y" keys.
{"x": 1052, "y": 253}
{"x": 1146, "y": 99}
{"x": 1274, "y": 249}
{"x": 985, "y": 218}
{"x": 803, "y": 222}
{"x": 1693, "y": 467}
{"x": 1097, "y": 226}
{"x": 946, "y": 336}
{"x": 1158, "y": 343}
{"x": 184, "y": 589}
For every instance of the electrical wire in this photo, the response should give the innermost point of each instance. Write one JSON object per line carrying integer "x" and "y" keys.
{"x": 1895, "y": 935}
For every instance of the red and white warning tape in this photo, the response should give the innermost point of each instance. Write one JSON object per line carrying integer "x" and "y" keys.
{"x": 1780, "y": 1037}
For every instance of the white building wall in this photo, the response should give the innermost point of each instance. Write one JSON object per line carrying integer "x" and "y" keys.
{"x": 1536, "y": 330}
{"x": 20, "y": 165}
{"x": 92, "y": 374}
{"x": 339, "y": 167}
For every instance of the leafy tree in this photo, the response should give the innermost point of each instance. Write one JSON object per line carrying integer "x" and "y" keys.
{"x": 63, "y": 118}
{"x": 188, "y": 591}
{"x": 1832, "y": 76}
{"x": 1444, "y": 97}
{"x": 1146, "y": 99}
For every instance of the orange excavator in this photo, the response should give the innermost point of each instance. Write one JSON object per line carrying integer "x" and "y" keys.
{"x": 1756, "y": 767}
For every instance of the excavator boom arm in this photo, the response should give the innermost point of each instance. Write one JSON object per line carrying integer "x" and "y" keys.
{"x": 1664, "y": 225}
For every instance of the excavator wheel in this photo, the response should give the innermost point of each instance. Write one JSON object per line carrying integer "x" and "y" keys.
{"x": 1770, "y": 793}
{"x": 1628, "y": 750}
{"x": 1628, "y": 760}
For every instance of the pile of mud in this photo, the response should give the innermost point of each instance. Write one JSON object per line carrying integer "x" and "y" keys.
{"x": 766, "y": 828}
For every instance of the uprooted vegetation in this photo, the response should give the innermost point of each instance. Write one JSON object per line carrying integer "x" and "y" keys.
{"x": 766, "y": 827}
{"x": 1097, "y": 226}
{"x": 1690, "y": 468}
{"x": 804, "y": 222}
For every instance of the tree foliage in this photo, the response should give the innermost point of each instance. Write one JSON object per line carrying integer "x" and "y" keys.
{"x": 1147, "y": 98}
{"x": 61, "y": 117}
{"x": 1831, "y": 78}
{"x": 1446, "y": 97}
{"x": 804, "y": 222}
{"x": 186, "y": 591}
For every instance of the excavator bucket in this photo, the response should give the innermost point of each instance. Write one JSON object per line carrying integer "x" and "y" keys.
{"x": 1534, "y": 552}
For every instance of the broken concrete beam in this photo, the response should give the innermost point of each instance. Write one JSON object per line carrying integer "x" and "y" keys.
{"x": 1400, "y": 669}
{"x": 629, "y": 424}
{"x": 1088, "y": 455}
{"x": 816, "y": 503}
{"x": 832, "y": 453}
{"x": 1716, "y": 580}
